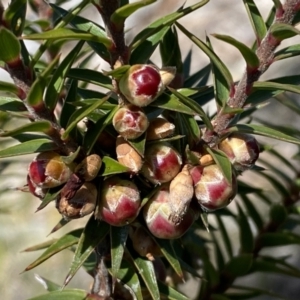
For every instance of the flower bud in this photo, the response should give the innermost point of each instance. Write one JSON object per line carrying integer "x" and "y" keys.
{"x": 181, "y": 194}
{"x": 48, "y": 170}
{"x": 144, "y": 244}
{"x": 35, "y": 190}
{"x": 142, "y": 84}
{"x": 242, "y": 150}
{"x": 159, "y": 128}
{"x": 211, "y": 187}
{"x": 158, "y": 216}
{"x": 127, "y": 155}
{"x": 89, "y": 167}
{"x": 162, "y": 163}
{"x": 81, "y": 204}
{"x": 130, "y": 121}
{"x": 119, "y": 201}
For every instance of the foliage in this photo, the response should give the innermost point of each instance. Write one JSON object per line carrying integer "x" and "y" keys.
{"x": 55, "y": 96}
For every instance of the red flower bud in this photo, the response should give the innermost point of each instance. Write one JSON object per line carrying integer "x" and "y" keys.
{"x": 81, "y": 204}
{"x": 127, "y": 155}
{"x": 159, "y": 128}
{"x": 162, "y": 163}
{"x": 35, "y": 190}
{"x": 158, "y": 216}
{"x": 119, "y": 201}
{"x": 48, "y": 170}
{"x": 242, "y": 150}
{"x": 130, "y": 121}
{"x": 142, "y": 84}
{"x": 211, "y": 187}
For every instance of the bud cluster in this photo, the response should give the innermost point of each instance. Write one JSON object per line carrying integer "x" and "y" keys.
{"x": 186, "y": 182}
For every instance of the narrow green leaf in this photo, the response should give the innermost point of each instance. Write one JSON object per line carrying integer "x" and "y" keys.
{"x": 36, "y": 94}
{"x": 62, "y": 243}
{"x": 246, "y": 236}
{"x": 290, "y": 51}
{"x": 33, "y": 146}
{"x": 69, "y": 34}
{"x": 90, "y": 76}
{"x": 11, "y": 104}
{"x": 239, "y": 265}
{"x": 50, "y": 196}
{"x": 62, "y": 222}
{"x": 264, "y": 131}
{"x": 224, "y": 75}
{"x": 220, "y": 260}
{"x": 118, "y": 72}
{"x": 283, "y": 31}
{"x": 256, "y": 20}
{"x": 15, "y": 16}
{"x": 9, "y": 87}
{"x": 63, "y": 295}
{"x": 169, "y": 253}
{"x": 38, "y": 126}
{"x": 194, "y": 106}
{"x": 87, "y": 111}
{"x": 170, "y": 293}
{"x": 92, "y": 235}
{"x": 253, "y": 212}
{"x": 249, "y": 55}
{"x": 89, "y": 27}
{"x": 127, "y": 274}
{"x": 9, "y": 45}
{"x": 273, "y": 239}
{"x": 146, "y": 271}
{"x": 163, "y": 22}
{"x": 199, "y": 78}
{"x": 111, "y": 166}
{"x": 40, "y": 246}
{"x": 48, "y": 285}
{"x": 273, "y": 86}
{"x": 139, "y": 144}
{"x": 121, "y": 14}
{"x": 225, "y": 236}
{"x": 223, "y": 162}
{"x": 57, "y": 80}
{"x": 118, "y": 240}
{"x": 171, "y": 102}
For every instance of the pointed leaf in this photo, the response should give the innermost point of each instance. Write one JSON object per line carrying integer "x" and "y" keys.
{"x": 169, "y": 253}
{"x": 92, "y": 235}
{"x": 171, "y": 102}
{"x": 9, "y": 87}
{"x": 273, "y": 86}
{"x": 239, "y": 265}
{"x": 69, "y": 34}
{"x": 11, "y": 104}
{"x": 57, "y": 80}
{"x": 47, "y": 284}
{"x": 256, "y": 20}
{"x": 63, "y": 295}
{"x": 146, "y": 271}
{"x": 33, "y": 146}
{"x": 246, "y": 236}
{"x": 38, "y": 126}
{"x": 40, "y": 246}
{"x": 290, "y": 51}
{"x": 50, "y": 196}
{"x": 90, "y": 76}
{"x": 118, "y": 240}
{"x": 225, "y": 236}
{"x": 223, "y": 162}
{"x": 87, "y": 111}
{"x": 10, "y": 46}
{"x": 273, "y": 239}
{"x": 121, "y": 14}
{"x": 169, "y": 292}
{"x": 249, "y": 55}
{"x": 62, "y": 222}
{"x": 193, "y": 105}
{"x": 111, "y": 166}
{"x": 283, "y": 31}
{"x": 264, "y": 131}
{"x": 62, "y": 243}
{"x": 224, "y": 75}
{"x": 139, "y": 144}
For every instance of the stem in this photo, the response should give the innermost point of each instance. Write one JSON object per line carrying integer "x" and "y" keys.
{"x": 265, "y": 53}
